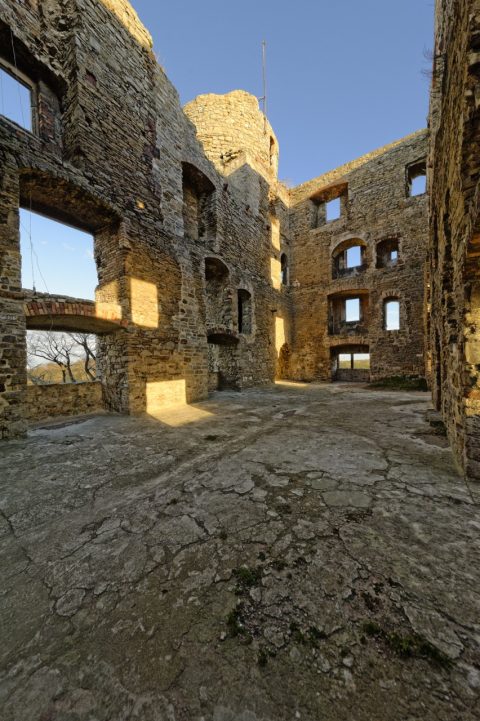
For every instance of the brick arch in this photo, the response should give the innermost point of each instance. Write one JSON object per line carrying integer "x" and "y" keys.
{"x": 43, "y": 312}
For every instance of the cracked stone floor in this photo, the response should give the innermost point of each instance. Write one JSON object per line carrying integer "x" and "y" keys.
{"x": 296, "y": 552}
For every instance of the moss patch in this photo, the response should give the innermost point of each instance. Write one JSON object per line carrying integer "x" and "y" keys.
{"x": 401, "y": 383}
{"x": 246, "y": 578}
{"x": 407, "y": 646}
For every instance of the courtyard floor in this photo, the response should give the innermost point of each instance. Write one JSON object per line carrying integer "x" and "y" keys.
{"x": 296, "y": 552}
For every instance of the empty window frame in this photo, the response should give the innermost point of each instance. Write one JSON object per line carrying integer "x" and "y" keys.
{"x": 361, "y": 361}
{"x": 387, "y": 253}
{"x": 61, "y": 357}
{"x": 352, "y": 310}
{"x": 284, "y": 269}
{"x": 353, "y": 256}
{"x": 272, "y": 151}
{"x": 199, "y": 219}
{"x": 417, "y": 178}
{"x": 328, "y": 204}
{"x": 333, "y": 209}
{"x": 348, "y": 259}
{"x": 354, "y": 361}
{"x": 16, "y": 98}
{"x": 56, "y": 258}
{"x": 244, "y": 312}
{"x": 391, "y": 314}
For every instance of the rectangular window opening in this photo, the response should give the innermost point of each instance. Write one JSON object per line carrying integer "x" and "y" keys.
{"x": 352, "y": 310}
{"x": 345, "y": 361}
{"x": 392, "y": 315}
{"x": 418, "y": 185}
{"x": 361, "y": 361}
{"x": 333, "y": 209}
{"x": 61, "y": 357}
{"x": 354, "y": 256}
{"x": 417, "y": 178}
{"x": 56, "y": 258}
{"x": 394, "y": 255}
{"x": 15, "y": 100}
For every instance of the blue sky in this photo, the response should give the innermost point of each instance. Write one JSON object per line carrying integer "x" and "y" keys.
{"x": 343, "y": 78}
{"x": 62, "y": 257}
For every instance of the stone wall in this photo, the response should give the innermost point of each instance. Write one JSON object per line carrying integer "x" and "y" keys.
{"x": 190, "y": 224}
{"x": 376, "y": 213}
{"x": 230, "y": 127}
{"x": 63, "y": 399}
{"x": 454, "y": 243}
{"x": 113, "y": 153}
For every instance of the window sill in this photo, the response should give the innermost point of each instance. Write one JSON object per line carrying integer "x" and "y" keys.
{"x": 18, "y": 128}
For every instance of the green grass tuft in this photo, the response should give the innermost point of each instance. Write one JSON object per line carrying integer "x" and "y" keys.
{"x": 401, "y": 383}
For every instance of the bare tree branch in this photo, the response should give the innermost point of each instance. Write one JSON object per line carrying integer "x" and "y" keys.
{"x": 63, "y": 350}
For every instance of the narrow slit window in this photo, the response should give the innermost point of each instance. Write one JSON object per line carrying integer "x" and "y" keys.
{"x": 244, "y": 312}
{"x": 352, "y": 310}
{"x": 392, "y": 315}
{"x": 15, "y": 100}
{"x": 284, "y": 269}
{"x": 333, "y": 209}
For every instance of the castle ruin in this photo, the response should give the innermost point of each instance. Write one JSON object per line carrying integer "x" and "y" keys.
{"x": 211, "y": 273}
{"x": 300, "y": 550}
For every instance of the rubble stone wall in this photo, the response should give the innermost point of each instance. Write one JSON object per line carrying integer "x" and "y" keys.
{"x": 63, "y": 399}
{"x": 188, "y": 217}
{"x": 454, "y": 243}
{"x": 376, "y": 209}
{"x": 108, "y": 154}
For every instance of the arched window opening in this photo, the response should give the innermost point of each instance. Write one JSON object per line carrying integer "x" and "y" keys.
{"x": 284, "y": 268}
{"x": 348, "y": 259}
{"x": 215, "y": 270}
{"x": 387, "y": 253}
{"x": 391, "y": 314}
{"x": 199, "y": 220}
{"x": 244, "y": 312}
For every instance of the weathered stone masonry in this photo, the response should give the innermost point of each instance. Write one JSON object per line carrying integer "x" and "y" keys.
{"x": 378, "y": 216}
{"x": 211, "y": 273}
{"x": 454, "y": 244}
{"x": 113, "y": 153}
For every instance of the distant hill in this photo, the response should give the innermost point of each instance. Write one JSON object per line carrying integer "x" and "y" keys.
{"x": 51, "y": 373}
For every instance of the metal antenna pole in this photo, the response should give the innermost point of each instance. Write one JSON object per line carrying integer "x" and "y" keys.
{"x": 264, "y": 73}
